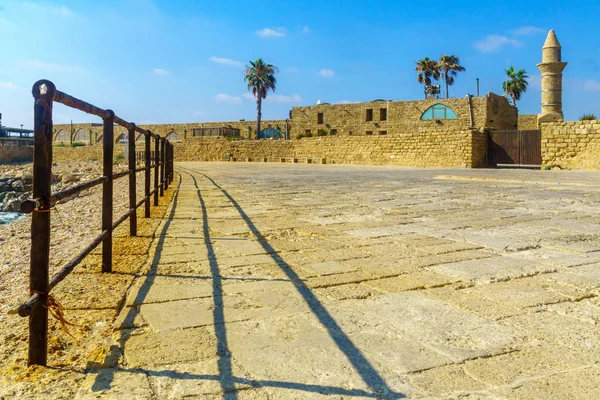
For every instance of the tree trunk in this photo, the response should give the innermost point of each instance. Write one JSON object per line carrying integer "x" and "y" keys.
{"x": 258, "y": 116}
{"x": 446, "y": 81}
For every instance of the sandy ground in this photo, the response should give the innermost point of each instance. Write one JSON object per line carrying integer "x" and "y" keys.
{"x": 310, "y": 281}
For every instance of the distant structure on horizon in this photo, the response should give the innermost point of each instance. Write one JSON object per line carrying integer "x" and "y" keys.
{"x": 551, "y": 68}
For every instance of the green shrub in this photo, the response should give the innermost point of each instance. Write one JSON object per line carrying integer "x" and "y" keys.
{"x": 322, "y": 132}
{"x": 587, "y": 117}
{"x": 300, "y": 136}
{"x": 59, "y": 145}
{"x": 118, "y": 158}
{"x": 78, "y": 144}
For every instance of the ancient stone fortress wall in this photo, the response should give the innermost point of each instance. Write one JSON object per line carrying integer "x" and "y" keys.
{"x": 528, "y": 122}
{"x": 400, "y": 117}
{"x": 10, "y": 154}
{"x": 444, "y": 147}
{"x": 378, "y": 132}
{"x": 571, "y": 145}
{"x": 92, "y": 133}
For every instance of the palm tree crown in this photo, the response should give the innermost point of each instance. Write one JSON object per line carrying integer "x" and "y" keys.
{"x": 427, "y": 69}
{"x": 261, "y": 78}
{"x": 449, "y": 67}
{"x": 515, "y": 84}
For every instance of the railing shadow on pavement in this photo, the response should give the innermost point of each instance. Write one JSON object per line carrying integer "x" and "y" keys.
{"x": 142, "y": 293}
{"x": 367, "y": 372}
{"x": 378, "y": 386}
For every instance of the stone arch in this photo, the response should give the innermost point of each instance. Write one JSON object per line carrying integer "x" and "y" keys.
{"x": 173, "y": 136}
{"x": 140, "y": 137}
{"x": 82, "y": 136}
{"x": 121, "y": 138}
{"x": 62, "y": 136}
{"x": 100, "y": 138}
{"x": 438, "y": 111}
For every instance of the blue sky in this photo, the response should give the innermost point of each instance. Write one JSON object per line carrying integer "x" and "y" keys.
{"x": 182, "y": 61}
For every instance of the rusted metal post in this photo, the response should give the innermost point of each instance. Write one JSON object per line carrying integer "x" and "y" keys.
{"x": 162, "y": 167}
{"x": 156, "y": 162}
{"x": 107, "y": 189}
{"x": 147, "y": 177}
{"x": 132, "y": 181}
{"x": 43, "y": 93}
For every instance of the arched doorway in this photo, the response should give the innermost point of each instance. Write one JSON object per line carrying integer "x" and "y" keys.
{"x": 82, "y": 136}
{"x": 173, "y": 136}
{"x": 62, "y": 136}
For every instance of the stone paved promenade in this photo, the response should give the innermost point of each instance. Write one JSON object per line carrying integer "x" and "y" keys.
{"x": 275, "y": 281}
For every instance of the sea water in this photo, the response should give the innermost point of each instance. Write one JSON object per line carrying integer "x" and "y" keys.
{"x": 8, "y": 217}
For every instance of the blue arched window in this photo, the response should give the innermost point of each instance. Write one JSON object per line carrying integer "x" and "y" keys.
{"x": 438, "y": 111}
{"x": 270, "y": 133}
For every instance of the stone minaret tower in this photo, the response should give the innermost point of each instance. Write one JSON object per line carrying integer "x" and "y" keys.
{"x": 551, "y": 68}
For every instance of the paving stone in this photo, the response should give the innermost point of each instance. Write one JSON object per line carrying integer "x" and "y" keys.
{"x": 527, "y": 292}
{"x": 445, "y": 380}
{"x": 528, "y": 363}
{"x": 115, "y": 384}
{"x": 169, "y": 347}
{"x": 493, "y": 269}
{"x": 580, "y": 384}
{"x": 448, "y": 330}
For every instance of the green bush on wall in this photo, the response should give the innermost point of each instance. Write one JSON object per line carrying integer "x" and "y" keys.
{"x": 78, "y": 144}
{"x": 587, "y": 117}
{"x": 322, "y": 132}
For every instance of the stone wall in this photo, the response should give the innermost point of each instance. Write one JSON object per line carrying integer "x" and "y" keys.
{"x": 571, "y": 145}
{"x": 528, "y": 122}
{"x": 81, "y": 153}
{"x": 440, "y": 148}
{"x": 91, "y": 133}
{"x": 500, "y": 114}
{"x": 11, "y": 154}
{"x": 397, "y": 117}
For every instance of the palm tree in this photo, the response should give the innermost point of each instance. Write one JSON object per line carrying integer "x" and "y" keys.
{"x": 449, "y": 67}
{"x": 515, "y": 84}
{"x": 260, "y": 77}
{"x": 427, "y": 69}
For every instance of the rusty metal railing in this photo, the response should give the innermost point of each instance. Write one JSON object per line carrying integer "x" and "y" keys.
{"x": 45, "y": 94}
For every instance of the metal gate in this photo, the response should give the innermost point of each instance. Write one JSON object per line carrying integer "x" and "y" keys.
{"x": 515, "y": 147}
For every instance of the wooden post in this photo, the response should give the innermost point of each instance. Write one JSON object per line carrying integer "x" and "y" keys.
{"x": 156, "y": 162}
{"x": 163, "y": 163}
{"x": 147, "y": 176}
{"x": 132, "y": 181}
{"x": 107, "y": 190}
{"x": 43, "y": 93}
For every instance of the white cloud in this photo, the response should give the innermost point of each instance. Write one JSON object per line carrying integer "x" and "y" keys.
{"x": 326, "y": 73}
{"x": 226, "y": 61}
{"x": 347, "y": 102}
{"x": 278, "y": 98}
{"x": 8, "y": 85}
{"x": 225, "y": 98}
{"x": 160, "y": 71}
{"x": 47, "y": 66}
{"x": 275, "y": 33}
{"x": 305, "y": 29}
{"x": 61, "y": 11}
{"x": 492, "y": 43}
{"x": 591, "y": 85}
{"x": 527, "y": 31}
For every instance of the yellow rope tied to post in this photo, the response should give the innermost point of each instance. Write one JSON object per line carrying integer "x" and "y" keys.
{"x": 56, "y": 309}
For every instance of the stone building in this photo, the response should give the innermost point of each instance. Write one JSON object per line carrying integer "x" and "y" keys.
{"x": 404, "y": 117}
